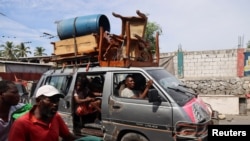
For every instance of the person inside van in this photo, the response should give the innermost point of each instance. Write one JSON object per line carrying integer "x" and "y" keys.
{"x": 96, "y": 86}
{"x": 129, "y": 90}
{"x": 85, "y": 100}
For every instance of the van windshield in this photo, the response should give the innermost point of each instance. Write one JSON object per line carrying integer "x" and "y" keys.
{"x": 174, "y": 87}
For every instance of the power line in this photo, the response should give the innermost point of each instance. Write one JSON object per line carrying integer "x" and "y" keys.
{"x": 41, "y": 36}
{"x": 3, "y": 14}
{"x": 44, "y": 34}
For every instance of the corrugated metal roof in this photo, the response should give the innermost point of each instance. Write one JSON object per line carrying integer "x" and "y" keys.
{"x": 25, "y": 63}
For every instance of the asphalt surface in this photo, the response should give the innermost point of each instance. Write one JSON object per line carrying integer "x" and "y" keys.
{"x": 243, "y": 119}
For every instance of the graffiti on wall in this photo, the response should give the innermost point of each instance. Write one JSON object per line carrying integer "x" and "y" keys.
{"x": 247, "y": 64}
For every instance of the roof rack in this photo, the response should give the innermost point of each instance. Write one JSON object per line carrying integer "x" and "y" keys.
{"x": 79, "y": 60}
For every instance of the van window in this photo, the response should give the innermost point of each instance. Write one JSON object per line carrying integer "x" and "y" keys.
{"x": 96, "y": 80}
{"x": 119, "y": 83}
{"x": 174, "y": 87}
{"x": 61, "y": 82}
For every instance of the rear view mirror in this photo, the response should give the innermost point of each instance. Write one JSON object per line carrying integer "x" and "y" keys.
{"x": 153, "y": 95}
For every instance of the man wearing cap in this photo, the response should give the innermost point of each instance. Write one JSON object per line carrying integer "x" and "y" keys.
{"x": 42, "y": 122}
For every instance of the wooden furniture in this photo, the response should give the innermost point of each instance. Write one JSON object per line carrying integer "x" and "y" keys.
{"x": 127, "y": 49}
{"x": 84, "y": 44}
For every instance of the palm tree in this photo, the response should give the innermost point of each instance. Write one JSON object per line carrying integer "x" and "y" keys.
{"x": 39, "y": 51}
{"x": 22, "y": 50}
{"x": 9, "y": 50}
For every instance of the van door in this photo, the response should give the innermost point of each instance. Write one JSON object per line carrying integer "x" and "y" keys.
{"x": 154, "y": 120}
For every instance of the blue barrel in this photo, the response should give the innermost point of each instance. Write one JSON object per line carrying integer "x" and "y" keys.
{"x": 83, "y": 25}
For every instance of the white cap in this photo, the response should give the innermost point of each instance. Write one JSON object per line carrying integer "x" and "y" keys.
{"x": 48, "y": 90}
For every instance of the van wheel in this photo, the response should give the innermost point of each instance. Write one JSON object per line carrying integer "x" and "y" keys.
{"x": 133, "y": 137}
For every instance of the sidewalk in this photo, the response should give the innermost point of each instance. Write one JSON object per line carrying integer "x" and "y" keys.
{"x": 236, "y": 119}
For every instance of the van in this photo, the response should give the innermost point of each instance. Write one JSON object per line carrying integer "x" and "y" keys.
{"x": 171, "y": 111}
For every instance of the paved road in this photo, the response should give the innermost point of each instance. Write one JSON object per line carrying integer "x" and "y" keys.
{"x": 236, "y": 119}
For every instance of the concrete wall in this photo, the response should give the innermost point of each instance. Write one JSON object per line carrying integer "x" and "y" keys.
{"x": 172, "y": 55}
{"x": 213, "y": 72}
{"x": 225, "y": 104}
{"x": 213, "y": 63}
{"x": 220, "y": 63}
{"x": 217, "y": 75}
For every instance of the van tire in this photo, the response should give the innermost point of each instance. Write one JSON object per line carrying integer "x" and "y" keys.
{"x": 133, "y": 137}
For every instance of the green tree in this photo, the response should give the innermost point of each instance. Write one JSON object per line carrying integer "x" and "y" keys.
{"x": 22, "y": 50}
{"x": 248, "y": 44}
{"x": 151, "y": 29}
{"x": 9, "y": 50}
{"x": 1, "y": 53}
{"x": 39, "y": 51}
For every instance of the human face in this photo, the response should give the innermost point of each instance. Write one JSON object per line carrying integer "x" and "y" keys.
{"x": 11, "y": 96}
{"x": 78, "y": 85}
{"x": 130, "y": 83}
{"x": 48, "y": 106}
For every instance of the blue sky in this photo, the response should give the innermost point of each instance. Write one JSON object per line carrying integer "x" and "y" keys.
{"x": 196, "y": 25}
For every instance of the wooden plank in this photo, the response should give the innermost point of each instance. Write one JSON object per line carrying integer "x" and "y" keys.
{"x": 128, "y": 64}
{"x": 84, "y": 44}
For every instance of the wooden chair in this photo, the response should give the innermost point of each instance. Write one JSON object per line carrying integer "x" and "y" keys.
{"x": 129, "y": 48}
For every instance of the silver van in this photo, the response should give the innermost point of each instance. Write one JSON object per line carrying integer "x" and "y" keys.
{"x": 171, "y": 111}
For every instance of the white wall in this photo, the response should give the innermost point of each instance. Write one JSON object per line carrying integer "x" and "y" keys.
{"x": 224, "y": 104}
{"x": 212, "y": 63}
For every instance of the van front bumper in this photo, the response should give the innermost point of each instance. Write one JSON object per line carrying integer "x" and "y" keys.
{"x": 185, "y": 131}
{"x": 192, "y": 139}
{"x": 215, "y": 117}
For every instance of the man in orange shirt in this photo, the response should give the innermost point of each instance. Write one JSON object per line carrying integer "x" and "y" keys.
{"x": 42, "y": 122}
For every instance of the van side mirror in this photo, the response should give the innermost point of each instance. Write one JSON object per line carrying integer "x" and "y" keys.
{"x": 153, "y": 95}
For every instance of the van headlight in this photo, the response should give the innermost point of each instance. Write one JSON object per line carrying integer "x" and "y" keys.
{"x": 199, "y": 113}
